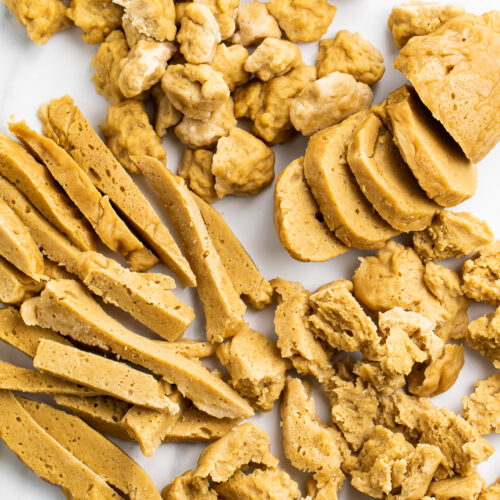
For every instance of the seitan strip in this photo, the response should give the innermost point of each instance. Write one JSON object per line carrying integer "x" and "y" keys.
{"x": 190, "y": 348}
{"x": 15, "y": 286}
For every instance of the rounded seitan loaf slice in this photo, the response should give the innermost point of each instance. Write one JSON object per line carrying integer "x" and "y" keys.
{"x": 298, "y": 221}
{"x": 346, "y": 211}
{"x": 386, "y": 180}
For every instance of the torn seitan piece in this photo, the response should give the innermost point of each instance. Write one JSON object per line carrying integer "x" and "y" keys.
{"x": 65, "y": 306}
{"x": 15, "y": 286}
{"x": 191, "y": 348}
{"x": 146, "y": 301}
{"x": 256, "y": 367}
{"x": 96, "y": 208}
{"x": 35, "y": 181}
{"x": 483, "y": 334}
{"x": 223, "y": 307}
{"x": 467, "y": 487}
{"x": 45, "y": 456}
{"x": 384, "y": 381}
{"x": 491, "y": 493}
{"x": 105, "y": 375}
{"x": 64, "y": 123}
{"x": 189, "y": 487}
{"x": 247, "y": 280}
{"x": 482, "y": 407}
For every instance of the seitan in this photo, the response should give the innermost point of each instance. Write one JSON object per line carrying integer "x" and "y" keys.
{"x": 15, "y": 286}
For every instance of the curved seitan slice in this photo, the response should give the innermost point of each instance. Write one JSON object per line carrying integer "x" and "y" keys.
{"x": 386, "y": 180}
{"x": 65, "y": 306}
{"x": 298, "y": 221}
{"x": 64, "y": 123}
{"x": 15, "y": 286}
{"x": 35, "y": 181}
{"x": 435, "y": 159}
{"x": 346, "y": 211}
{"x": 223, "y": 307}
{"x": 45, "y": 456}
{"x": 96, "y": 208}
{"x": 246, "y": 278}
{"x": 17, "y": 245}
{"x": 98, "y": 453}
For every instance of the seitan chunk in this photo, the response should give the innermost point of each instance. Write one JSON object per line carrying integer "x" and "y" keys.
{"x": 255, "y": 23}
{"x": 166, "y": 115}
{"x": 491, "y": 493}
{"x": 189, "y": 487}
{"x": 15, "y": 286}
{"x": 466, "y": 487}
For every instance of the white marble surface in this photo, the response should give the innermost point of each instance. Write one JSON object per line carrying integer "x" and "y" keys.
{"x": 30, "y": 75}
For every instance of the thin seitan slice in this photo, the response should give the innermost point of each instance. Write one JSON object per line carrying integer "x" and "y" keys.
{"x": 386, "y": 180}
{"x": 65, "y": 124}
{"x": 346, "y": 210}
{"x": 17, "y": 245}
{"x": 104, "y": 375}
{"x": 223, "y": 307}
{"x": 35, "y": 181}
{"x": 146, "y": 301}
{"x": 298, "y": 221}
{"x": 90, "y": 447}
{"x": 190, "y": 348}
{"x": 247, "y": 280}
{"x": 15, "y": 286}
{"x": 45, "y": 456}
{"x": 67, "y": 307}
{"x": 96, "y": 208}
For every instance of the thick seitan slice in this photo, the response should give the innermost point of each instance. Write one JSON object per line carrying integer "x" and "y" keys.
{"x": 435, "y": 159}
{"x": 65, "y": 306}
{"x": 45, "y": 456}
{"x": 298, "y": 221}
{"x": 104, "y": 375}
{"x": 244, "y": 274}
{"x": 96, "y": 208}
{"x": 146, "y": 301}
{"x": 65, "y": 124}
{"x": 223, "y": 307}
{"x": 90, "y": 447}
{"x": 35, "y": 181}
{"x": 15, "y": 286}
{"x": 17, "y": 245}
{"x": 346, "y": 210}
{"x": 386, "y": 180}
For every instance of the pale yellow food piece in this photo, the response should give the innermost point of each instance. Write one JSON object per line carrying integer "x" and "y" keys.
{"x": 166, "y": 115}
{"x": 346, "y": 211}
{"x": 199, "y": 34}
{"x": 483, "y": 334}
{"x": 230, "y": 61}
{"x": 42, "y": 18}
{"x": 491, "y": 493}
{"x": 96, "y": 18}
{"x": 350, "y": 53}
{"x": 15, "y": 286}
{"x": 384, "y": 380}
{"x": 435, "y": 159}
{"x": 189, "y": 487}
{"x": 224, "y": 12}
{"x": 64, "y": 122}
{"x": 95, "y": 207}
{"x": 106, "y": 63}
{"x": 143, "y": 66}
{"x": 492, "y": 19}
{"x": 298, "y": 221}
{"x": 45, "y": 456}
{"x": 328, "y": 101}
{"x": 455, "y": 71}
{"x": 196, "y": 170}
{"x": 246, "y": 278}
{"x": 166, "y": 282}
{"x": 190, "y": 348}
{"x": 458, "y": 488}
{"x": 255, "y": 23}
{"x": 303, "y": 20}
{"x": 55, "y": 271}
{"x": 132, "y": 33}
{"x": 145, "y": 300}
{"x": 418, "y": 18}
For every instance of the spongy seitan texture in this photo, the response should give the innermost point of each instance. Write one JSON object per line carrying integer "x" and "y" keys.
{"x": 66, "y": 306}
{"x": 298, "y": 221}
{"x": 455, "y": 71}
{"x": 483, "y": 334}
{"x": 64, "y": 123}
{"x": 45, "y": 456}
{"x": 189, "y": 487}
{"x": 15, "y": 286}
{"x": 223, "y": 307}
{"x": 468, "y": 486}
{"x": 190, "y": 348}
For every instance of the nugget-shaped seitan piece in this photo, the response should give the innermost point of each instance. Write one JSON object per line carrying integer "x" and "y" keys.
{"x": 255, "y": 23}
{"x": 145, "y": 300}
{"x": 350, "y": 53}
{"x": 483, "y": 334}
{"x": 95, "y": 207}
{"x": 15, "y": 286}
{"x": 328, "y": 101}
{"x": 346, "y": 211}
{"x": 64, "y": 122}
{"x": 128, "y": 133}
{"x": 230, "y": 61}
{"x": 455, "y": 73}
{"x": 435, "y": 159}
{"x": 298, "y": 222}
{"x": 166, "y": 115}
{"x": 417, "y": 18}
{"x": 303, "y": 21}
{"x": 96, "y": 18}
{"x": 132, "y": 33}
{"x": 224, "y": 13}
{"x": 196, "y": 170}
{"x": 42, "y": 18}
{"x": 467, "y": 487}
{"x": 386, "y": 180}
{"x": 242, "y": 164}
{"x": 45, "y": 456}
